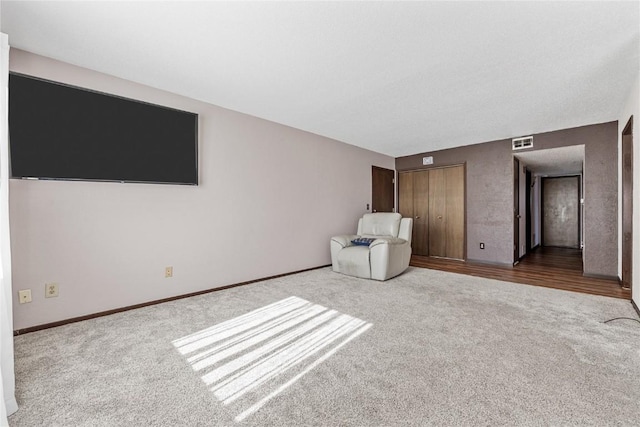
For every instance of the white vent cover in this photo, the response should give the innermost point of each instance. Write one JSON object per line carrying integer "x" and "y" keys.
{"x": 520, "y": 143}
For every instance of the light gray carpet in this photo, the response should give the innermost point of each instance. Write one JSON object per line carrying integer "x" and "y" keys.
{"x": 442, "y": 349}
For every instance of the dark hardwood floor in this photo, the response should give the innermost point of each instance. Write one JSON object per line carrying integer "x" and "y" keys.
{"x": 557, "y": 268}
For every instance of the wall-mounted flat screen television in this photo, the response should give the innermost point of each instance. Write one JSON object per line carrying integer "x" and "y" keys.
{"x": 62, "y": 132}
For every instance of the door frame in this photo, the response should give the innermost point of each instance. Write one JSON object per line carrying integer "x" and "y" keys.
{"x": 627, "y": 207}
{"x": 516, "y": 211}
{"x": 527, "y": 213}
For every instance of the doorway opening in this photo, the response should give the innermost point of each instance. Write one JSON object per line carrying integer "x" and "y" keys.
{"x": 549, "y": 216}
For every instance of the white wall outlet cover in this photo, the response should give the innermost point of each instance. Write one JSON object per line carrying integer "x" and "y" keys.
{"x": 51, "y": 290}
{"x": 24, "y": 296}
{"x": 427, "y": 160}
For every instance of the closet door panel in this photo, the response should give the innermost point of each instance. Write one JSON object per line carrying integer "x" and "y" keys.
{"x": 437, "y": 210}
{"x": 405, "y": 194}
{"x": 454, "y": 212}
{"x": 420, "y": 237}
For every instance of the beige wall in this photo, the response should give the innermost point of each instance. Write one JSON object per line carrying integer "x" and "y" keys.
{"x": 632, "y": 108}
{"x": 489, "y": 192}
{"x": 269, "y": 199}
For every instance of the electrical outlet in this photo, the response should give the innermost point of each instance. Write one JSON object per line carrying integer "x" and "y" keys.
{"x": 51, "y": 290}
{"x": 168, "y": 272}
{"x": 24, "y": 296}
{"x": 481, "y": 245}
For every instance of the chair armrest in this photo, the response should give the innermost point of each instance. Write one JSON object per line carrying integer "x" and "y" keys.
{"x": 389, "y": 256}
{"x": 344, "y": 240}
{"x": 387, "y": 241}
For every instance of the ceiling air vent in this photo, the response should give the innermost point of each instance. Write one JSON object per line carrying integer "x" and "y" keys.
{"x": 520, "y": 143}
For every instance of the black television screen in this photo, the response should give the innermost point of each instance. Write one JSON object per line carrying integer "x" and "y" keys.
{"x": 57, "y": 131}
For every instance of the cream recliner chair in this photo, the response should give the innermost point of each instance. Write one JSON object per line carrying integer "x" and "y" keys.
{"x": 385, "y": 257}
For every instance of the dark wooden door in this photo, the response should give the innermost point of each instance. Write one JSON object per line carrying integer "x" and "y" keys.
{"x": 561, "y": 212}
{"x": 446, "y": 212}
{"x": 405, "y": 194}
{"x": 437, "y": 213}
{"x": 454, "y": 212}
{"x": 421, "y": 213}
{"x": 382, "y": 189}
{"x": 413, "y": 202}
{"x": 434, "y": 198}
{"x": 627, "y": 204}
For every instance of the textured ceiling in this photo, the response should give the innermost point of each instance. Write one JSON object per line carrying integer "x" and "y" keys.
{"x": 395, "y": 77}
{"x": 554, "y": 161}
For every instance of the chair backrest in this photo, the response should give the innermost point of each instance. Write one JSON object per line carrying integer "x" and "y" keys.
{"x": 406, "y": 229}
{"x": 379, "y": 224}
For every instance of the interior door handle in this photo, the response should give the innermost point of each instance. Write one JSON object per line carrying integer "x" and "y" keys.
{"x": 417, "y": 217}
{"x": 439, "y": 216}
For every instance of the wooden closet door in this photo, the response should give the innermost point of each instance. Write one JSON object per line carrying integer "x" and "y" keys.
{"x": 454, "y": 212}
{"x": 420, "y": 237}
{"x": 413, "y": 202}
{"x": 405, "y": 194}
{"x": 437, "y": 211}
{"x": 405, "y": 197}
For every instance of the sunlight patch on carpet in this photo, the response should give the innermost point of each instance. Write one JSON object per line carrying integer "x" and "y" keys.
{"x": 254, "y": 357}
